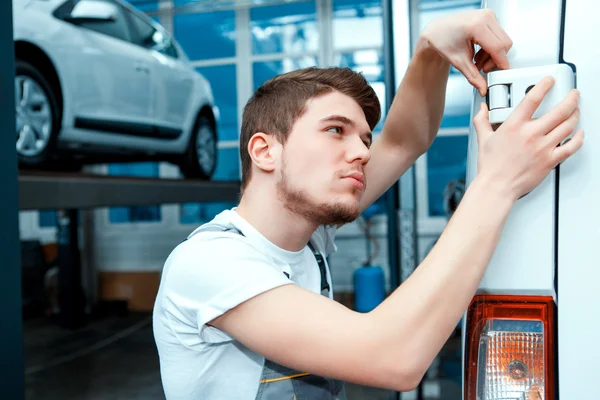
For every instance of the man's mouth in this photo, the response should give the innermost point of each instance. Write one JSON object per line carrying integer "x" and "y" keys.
{"x": 357, "y": 179}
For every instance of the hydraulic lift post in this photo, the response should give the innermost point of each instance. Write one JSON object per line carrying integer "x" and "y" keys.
{"x": 11, "y": 321}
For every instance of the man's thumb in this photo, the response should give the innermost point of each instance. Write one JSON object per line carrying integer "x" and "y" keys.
{"x": 481, "y": 122}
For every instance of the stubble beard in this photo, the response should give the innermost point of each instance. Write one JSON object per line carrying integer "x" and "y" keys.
{"x": 299, "y": 203}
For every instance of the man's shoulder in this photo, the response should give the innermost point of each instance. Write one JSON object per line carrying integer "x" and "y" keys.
{"x": 221, "y": 229}
{"x": 226, "y": 244}
{"x": 216, "y": 258}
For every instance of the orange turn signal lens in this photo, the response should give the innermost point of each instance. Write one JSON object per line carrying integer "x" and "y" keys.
{"x": 510, "y": 348}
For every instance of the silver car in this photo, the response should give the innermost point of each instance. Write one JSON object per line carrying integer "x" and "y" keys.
{"x": 98, "y": 81}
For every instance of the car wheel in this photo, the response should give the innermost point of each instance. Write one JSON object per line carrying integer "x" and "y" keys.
{"x": 200, "y": 158}
{"x": 37, "y": 115}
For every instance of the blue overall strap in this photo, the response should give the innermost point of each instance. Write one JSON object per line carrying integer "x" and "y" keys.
{"x": 321, "y": 262}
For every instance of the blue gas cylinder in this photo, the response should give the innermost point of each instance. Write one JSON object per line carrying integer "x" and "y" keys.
{"x": 369, "y": 287}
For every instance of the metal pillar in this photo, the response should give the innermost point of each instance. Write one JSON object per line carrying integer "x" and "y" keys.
{"x": 11, "y": 321}
{"x": 71, "y": 298}
{"x": 402, "y": 236}
{"x": 392, "y": 195}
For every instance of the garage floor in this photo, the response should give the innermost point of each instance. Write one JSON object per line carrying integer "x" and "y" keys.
{"x": 114, "y": 357}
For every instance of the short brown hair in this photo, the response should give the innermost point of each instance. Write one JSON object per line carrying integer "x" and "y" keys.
{"x": 279, "y": 102}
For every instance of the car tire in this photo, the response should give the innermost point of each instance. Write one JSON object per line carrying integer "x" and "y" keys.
{"x": 200, "y": 158}
{"x": 37, "y": 116}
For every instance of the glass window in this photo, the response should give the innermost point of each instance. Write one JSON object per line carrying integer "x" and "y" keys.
{"x": 430, "y": 10}
{"x": 183, "y": 2}
{"x": 149, "y": 37}
{"x": 459, "y": 93}
{"x": 119, "y": 215}
{"x": 145, "y": 5}
{"x": 200, "y": 213}
{"x": 357, "y": 23}
{"x": 370, "y": 64}
{"x": 116, "y": 27}
{"x": 287, "y": 28}
{"x": 265, "y": 70}
{"x": 206, "y": 35}
{"x": 228, "y": 169}
{"x": 446, "y": 161}
{"x": 47, "y": 219}
{"x": 223, "y": 82}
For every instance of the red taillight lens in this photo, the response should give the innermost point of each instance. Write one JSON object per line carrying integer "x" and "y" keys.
{"x": 510, "y": 348}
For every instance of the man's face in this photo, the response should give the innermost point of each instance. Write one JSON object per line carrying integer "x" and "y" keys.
{"x": 323, "y": 161}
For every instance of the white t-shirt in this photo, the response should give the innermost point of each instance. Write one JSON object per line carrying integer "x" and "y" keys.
{"x": 207, "y": 275}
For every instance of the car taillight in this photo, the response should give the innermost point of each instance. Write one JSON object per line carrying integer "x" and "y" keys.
{"x": 510, "y": 348}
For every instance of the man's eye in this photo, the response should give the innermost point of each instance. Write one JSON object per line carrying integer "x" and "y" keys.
{"x": 334, "y": 129}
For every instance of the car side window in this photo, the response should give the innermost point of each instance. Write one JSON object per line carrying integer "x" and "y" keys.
{"x": 101, "y": 16}
{"x": 149, "y": 37}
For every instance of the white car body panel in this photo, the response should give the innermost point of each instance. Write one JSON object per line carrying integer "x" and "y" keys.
{"x": 555, "y": 229}
{"x": 172, "y": 90}
{"x": 85, "y": 61}
{"x": 578, "y": 217}
{"x": 523, "y": 262}
{"x": 111, "y": 78}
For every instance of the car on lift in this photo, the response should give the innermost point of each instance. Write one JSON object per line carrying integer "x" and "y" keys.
{"x": 98, "y": 81}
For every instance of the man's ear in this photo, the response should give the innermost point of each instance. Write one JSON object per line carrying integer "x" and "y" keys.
{"x": 264, "y": 151}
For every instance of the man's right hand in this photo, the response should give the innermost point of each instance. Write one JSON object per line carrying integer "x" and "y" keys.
{"x": 522, "y": 152}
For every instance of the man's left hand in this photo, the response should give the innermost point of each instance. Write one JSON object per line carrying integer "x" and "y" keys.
{"x": 454, "y": 37}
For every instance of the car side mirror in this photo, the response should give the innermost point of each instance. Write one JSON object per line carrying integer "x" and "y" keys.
{"x": 160, "y": 40}
{"x": 93, "y": 11}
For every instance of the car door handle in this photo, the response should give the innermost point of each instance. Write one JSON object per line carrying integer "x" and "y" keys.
{"x": 142, "y": 68}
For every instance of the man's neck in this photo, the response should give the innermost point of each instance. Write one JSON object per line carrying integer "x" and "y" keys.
{"x": 262, "y": 208}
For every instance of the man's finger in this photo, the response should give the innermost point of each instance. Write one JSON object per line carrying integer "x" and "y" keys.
{"x": 563, "y": 130}
{"x": 494, "y": 25}
{"x": 480, "y": 59}
{"x": 532, "y": 100}
{"x": 560, "y": 112}
{"x": 470, "y": 71}
{"x": 500, "y": 34}
{"x": 481, "y": 123}
{"x": 489, "y": 65}
{"x": 561, "y": 153}
{"x": 492, "y": 45}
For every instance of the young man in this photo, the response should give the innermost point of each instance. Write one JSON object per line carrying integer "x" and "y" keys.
{"x": 240, "y": 312}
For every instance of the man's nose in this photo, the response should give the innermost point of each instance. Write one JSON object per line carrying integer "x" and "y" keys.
{"x": 358, "y": 151}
